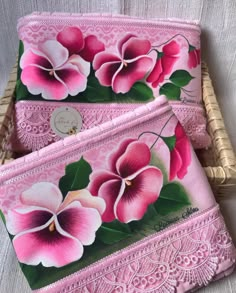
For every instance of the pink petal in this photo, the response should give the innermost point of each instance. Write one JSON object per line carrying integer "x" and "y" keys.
{"x": 86, "y": 200}
{"x": 36, "y": 58}
{"x": 133, "y": 71}
{"x": 154, "y": 76}
{"x": 74, "y": 80}
{"x": 80, "y": 222}
{"x": 92, "y": 46}
{"x": 171, "y": 49}
{"x": 26, "y": 218}
{"x": 44, "y": 195}
{"x": 167, "y": 65}
{"x": 198, "y": 53}
{"x": 104, "y": 57}
{"x": 109, "y": 191}
{"x": 179, "y": 131}
{"x": 123, "y": 41}
{"x": 39, "y": 81}
{"x": 97, "y": 178}
{"x": 184, "y": 149}
{"x": 72, "y": 39}
{"x": 55, "y": 52}
{"x": 134, "y": 48}
{"x": 106, "y": 72}
{"x": 82, "y": 65}
{"x": 48, "y": 248}
{"x": 141, "y": 191}
{"x": 175, "y": 163}
{"x": 118, "y": 153}
{"x": 136, "y": 156}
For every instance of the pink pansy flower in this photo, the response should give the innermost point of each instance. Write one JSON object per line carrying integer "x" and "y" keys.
{"x": 194, "y": 57}
{"x": 48, "y": 70}
{"x": 180, "y": 156}
{"x": 164, "y": 64}
{"x": 50, "y": 231}
{"x": 122, "y": 70}
{"x": 72, "y": 39}
{"x": 129, "y": 185}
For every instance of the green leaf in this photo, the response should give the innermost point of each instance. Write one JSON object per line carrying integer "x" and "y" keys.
{"x": 2, "y": 217}
{"x": 140, "y": 92}
{"x": 76, "y": 177}
{"x": 173, "y": 197}
{"x": 156, "y": 161}
{"x": 21, "y": 91}
{"x": 95, "y": 92}
{"x": 113, "y": 232}
{"x": 171, "y": 91}
{"x": 181, "y": 78}
{"x": 20, "y": 53}
{"x": 170, "y": 141}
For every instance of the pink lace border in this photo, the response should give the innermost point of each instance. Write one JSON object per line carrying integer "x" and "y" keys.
{"x": 185, "y": 256}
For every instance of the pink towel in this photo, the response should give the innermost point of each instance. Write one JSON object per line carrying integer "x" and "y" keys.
{"x": 101, "y": 66}
{"x": 122, "y": 207}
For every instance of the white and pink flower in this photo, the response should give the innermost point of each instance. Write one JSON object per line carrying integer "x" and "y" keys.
{"x": 122, "y": 70}
{"x": 51, "y": 72}
{"x": 129, "y": 185}
{"x": 50, "y": 231}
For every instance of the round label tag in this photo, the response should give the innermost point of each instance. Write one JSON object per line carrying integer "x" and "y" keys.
{"x": 66, "y": 121}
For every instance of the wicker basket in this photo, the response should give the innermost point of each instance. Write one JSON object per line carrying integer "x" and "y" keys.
{"x": 218, "y": 161}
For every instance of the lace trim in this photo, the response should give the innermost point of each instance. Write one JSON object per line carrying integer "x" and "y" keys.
{"x": 186, "y": 256}
{"x": 33, "y": 131}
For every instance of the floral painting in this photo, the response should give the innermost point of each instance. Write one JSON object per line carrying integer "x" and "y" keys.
{"x": 57, "y": 229}
{"x": 80, "y": 68}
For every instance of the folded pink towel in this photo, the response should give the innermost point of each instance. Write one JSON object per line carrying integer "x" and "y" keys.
{"x": 101, "y": 66}
{"x": 122, "y": 207}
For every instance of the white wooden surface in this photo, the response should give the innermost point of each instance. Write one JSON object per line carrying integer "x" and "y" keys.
{"x": 218, "y": 20}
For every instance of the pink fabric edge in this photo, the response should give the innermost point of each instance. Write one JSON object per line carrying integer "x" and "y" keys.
{"x": 57, "y": 16}
{"x": 205, "y": 229}
{"x": 131, "y": 119}
{"x": 190, "y": 115}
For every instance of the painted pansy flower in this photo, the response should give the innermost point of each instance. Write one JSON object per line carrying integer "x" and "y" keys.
{"x": 73, "y": 39}
{"x": 164, "y": 63}
{"x": 51, "y": 231}
{"x": 129, "y": 185}
{"x": 194, "y": 57}
{"x": 49, "y": 71}
{"x": 122, "y": 70}
{"x": 180, "y": 155}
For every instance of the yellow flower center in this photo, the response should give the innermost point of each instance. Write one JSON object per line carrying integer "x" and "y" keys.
{"x": 52, "y": 227}
{"x": 51, "y": 72}
{"x": 125, "y": 64}
{"x": 128, "y": 182}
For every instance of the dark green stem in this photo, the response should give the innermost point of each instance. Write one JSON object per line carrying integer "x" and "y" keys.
{"x": 158, "y": 135}
{"x": 172, "y": 39}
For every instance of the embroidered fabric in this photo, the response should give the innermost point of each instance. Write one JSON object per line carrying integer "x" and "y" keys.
{"x": 33, "y": 131}
{"x": 187, "y": 256}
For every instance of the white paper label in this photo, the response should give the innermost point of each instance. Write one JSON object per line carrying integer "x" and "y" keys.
{"x": 66, "y": 121}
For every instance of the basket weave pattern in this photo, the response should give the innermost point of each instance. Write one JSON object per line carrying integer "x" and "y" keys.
{"x": 218, "y": 161}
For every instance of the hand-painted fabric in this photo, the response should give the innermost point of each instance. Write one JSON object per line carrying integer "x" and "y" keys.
{"x": 122, "y": 207}
{"x": 103, "y": 66}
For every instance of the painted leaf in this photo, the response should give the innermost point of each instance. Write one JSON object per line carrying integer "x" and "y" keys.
{"x": 173, "y": 197}
{"x": 95, "y": 92}
{"x": 171, "y": 91}
{"x": 156, "y": 161}
{"x": 76, "y": 177}
{"x": 181, "y": 78}
{"x": 20, "y": 53}
{"x": 170, "y": 141}
{"x": 113, "y": 232}
{"x": 140, "y": 92}
{"x": 2, "y": 217}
